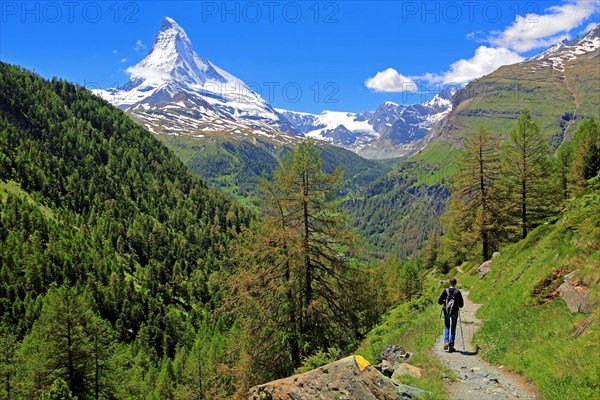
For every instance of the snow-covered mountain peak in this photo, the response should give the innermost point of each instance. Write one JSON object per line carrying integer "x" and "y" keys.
{"x": 594, "y": 33}
{"x": 169, "y": 23}
{"x": 170, "y": 29}
{"x": 438, "y": 101}
{"x": 172, "y": 81}
{"x": 173, "y": 59}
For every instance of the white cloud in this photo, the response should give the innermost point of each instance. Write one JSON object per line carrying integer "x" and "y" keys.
{"x": 140, "y": 47}
{"x": 147, "y": 74}
{"x": 123, "y": 60}
{"x": 391, "y": 81}
{"x": 541, "y": 30}
{"x": 526, "y": 33}
{"x": 114, "y": 52}
{"x": 485, "y": 60}
{"x": 477, "y": 36}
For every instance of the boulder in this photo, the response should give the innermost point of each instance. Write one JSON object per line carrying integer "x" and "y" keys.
{"x": 406, "y": 369}
{"x": 496, "y": 254}
{"x": 576, "y": 294}
{"x": 391, "y": 357}
{"x": 484, "y": 268}
{"x": 349, "y": 378}
{"x": 409, "y": 392}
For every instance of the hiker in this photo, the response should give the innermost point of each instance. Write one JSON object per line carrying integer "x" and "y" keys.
{"x": 450, "y": 300}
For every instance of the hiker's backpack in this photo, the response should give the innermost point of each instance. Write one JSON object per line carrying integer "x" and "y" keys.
{"x": 449, "y": 302}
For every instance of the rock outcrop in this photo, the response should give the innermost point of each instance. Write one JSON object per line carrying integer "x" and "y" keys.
{"x": 484, "y": 268}
{"x": 349, "y": 378}
{"x": 576, "y": 294}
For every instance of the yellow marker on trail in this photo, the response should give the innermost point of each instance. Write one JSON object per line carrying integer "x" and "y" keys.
{"x": 361, "y": 363}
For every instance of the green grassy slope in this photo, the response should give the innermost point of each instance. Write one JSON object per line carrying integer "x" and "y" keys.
{"x": 526, "y": 326}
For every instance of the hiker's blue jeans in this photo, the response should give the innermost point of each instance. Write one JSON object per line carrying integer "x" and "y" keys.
{"x": 450, "y": 328}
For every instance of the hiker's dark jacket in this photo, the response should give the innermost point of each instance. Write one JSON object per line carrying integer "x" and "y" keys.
{"x": 458, "y": 299}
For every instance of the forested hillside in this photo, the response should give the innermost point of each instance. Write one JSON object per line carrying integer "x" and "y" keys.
{"x": 124, "y": 276}
{"x": 106, "y": 238}
{"x": 401, "y": 210}
{"x": 237, "y": 166}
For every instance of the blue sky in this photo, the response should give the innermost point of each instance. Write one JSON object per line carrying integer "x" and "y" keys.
{"x": 305, "y": 56}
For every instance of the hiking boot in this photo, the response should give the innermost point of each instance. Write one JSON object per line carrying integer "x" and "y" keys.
{"x": 451, "y": 349}
{"x": 446, "y": 346}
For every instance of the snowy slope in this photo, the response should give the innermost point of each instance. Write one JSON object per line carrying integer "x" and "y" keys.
{"x": 569, "y": 50}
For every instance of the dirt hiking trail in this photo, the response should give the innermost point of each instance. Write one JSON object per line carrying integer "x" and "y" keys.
{"x": 476, "y": 378}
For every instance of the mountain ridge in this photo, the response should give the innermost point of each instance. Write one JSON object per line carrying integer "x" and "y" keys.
{"x": 389, "y": 131}
{"x": 558, "y": 86}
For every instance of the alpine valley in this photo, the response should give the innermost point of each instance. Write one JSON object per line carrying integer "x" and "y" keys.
{"x": 178, "y": 237}
{"x": 229, "y": 135}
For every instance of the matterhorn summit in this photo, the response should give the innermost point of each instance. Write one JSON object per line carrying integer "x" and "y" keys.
{"x": 175, "y": 91}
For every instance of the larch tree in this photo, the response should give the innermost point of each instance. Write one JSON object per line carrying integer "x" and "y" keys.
{"x": 586, "y": 154}
{"x": 529, "y": 175}
{"x": 59, "y": 390}
{"x": 295, "y": 278}
{"x": 563, "y": 161}
{"x": 474, "y": 204}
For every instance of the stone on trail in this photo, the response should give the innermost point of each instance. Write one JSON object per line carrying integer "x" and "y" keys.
{"x": 391, "y": 357}
{"x": 406, "y": 369}
{"x": 409, "y": 392}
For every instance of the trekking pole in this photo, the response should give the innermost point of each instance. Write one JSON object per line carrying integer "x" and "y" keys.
{"x": 461, "y": 331}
